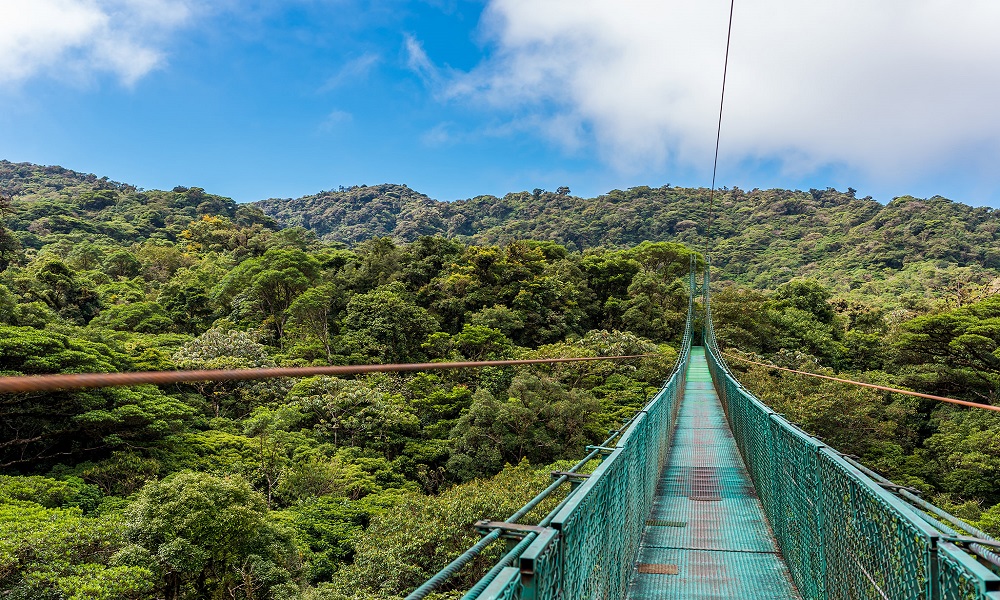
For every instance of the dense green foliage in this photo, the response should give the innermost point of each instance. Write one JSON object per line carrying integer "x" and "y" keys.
{"x": 328, "y": 488}
{"x": 288, "y": 489}
{"x": 899, "y": 253}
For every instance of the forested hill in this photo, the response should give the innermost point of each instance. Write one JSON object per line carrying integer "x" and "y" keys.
{"x": 763, "y": 237}
{"x": 907, "y": 249}
{"x": 52, "y": 201}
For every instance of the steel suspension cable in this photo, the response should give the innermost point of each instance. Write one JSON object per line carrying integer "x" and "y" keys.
{"x": 867, "y": 385}
{"x": 718, "y": 133}
{"x": 45, "y": 383}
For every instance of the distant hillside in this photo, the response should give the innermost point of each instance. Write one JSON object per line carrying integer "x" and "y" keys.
{"x": 762, "y": 237}
{"x": 51, "y": 202}
{"x": 903, "y": 251}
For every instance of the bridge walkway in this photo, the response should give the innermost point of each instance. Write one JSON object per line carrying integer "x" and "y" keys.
{"x": 707, "y": 536}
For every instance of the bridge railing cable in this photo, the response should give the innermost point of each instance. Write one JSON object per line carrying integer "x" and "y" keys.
{"x": 844, "y": 531}
{"x": 587, "y": 545}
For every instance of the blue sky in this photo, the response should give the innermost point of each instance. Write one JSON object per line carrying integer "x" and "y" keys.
{"x": 457, "y": 98}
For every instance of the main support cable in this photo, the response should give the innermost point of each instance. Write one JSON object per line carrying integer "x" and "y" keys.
{"x": 718, "y": 134}
{"x": 75, "y": 381}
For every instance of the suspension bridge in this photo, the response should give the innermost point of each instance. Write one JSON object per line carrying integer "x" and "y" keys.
{"x": 708, "y": 493}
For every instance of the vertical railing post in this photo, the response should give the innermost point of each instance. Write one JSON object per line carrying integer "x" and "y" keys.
{"x": 933, "y": 570}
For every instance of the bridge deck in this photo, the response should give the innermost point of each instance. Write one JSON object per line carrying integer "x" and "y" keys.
{"x": 707, "y": 536}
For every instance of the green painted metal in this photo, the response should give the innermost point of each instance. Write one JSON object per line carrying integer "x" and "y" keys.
{"x": 725, "y": 549}
{"x": 506, "y": 585}
{"x": 842, "y": 534}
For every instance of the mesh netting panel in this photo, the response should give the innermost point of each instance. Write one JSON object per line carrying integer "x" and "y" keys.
{"x": 601, "y": 527}
{"x": 594, "y": 542}
{"x": 842, "y": 535}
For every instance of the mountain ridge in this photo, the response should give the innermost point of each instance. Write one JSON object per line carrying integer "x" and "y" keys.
{"x": 761, "y": 238}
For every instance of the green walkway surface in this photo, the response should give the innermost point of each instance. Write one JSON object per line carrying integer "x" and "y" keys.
{"x": 706, "y": 536}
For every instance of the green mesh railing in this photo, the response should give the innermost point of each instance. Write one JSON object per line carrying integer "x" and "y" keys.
{"x": 587, "y": 546}
{"x": 841, "y": 530}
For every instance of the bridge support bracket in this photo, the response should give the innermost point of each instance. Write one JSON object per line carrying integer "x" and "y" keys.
{"x": 603, "y": 450}
{"x": 509, "y": 530}
{"x": 571, "y": 476}
{"x": 895, "y": 488}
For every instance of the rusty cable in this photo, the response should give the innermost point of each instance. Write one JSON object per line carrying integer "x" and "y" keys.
{"x": 868, "y": 385}
{"x": 46, "y": 383}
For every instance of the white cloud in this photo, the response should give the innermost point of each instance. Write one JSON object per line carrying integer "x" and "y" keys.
{"x": 891, "y": 87}
{"x": 418, "y": 61}
{"x": 74, "y": 39}
{"x": 352, "y": 71}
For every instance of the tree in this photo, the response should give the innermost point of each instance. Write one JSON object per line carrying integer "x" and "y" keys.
{"x": 85, "y": 256}
{"x": 423, "y": 259}
{"x": 210, "y": 537}
{"x": 122, "y": 264}
{"x": 8, "y": 306}
{"x": 328, "y": 528}
{"x": 807, "y": 295}
{"x": 187, "y": 297}
{"x": 52, "y": 282}
{"x": 268, "y": 285}
{"x": 38, "y": 428}
{"x": 955, "y": 352}
{"x": 421, "y": 534}
{"x": 220, "y": 234}
{"x": 656, "y": 308}
{"x": 160, "y": 260}
{"x": 379, "y": 262}
{"x": 669, "y": 259}
{"x": 539, "y": 421}
{"x": 349, "y": 413}
{"x": 10, "y": 246}
{"x": 219, "y": 348}
{"x": 386, "y": 325}
{"x": 50, "y": 549}
{"x": 311, "y": 314}
{"x": 609, "y": 275}
{"x": 144, "y": 317}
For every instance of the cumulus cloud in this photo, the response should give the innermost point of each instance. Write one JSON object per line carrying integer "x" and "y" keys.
{"x": 74, "y": 39}
{"x": 890, "y": 87}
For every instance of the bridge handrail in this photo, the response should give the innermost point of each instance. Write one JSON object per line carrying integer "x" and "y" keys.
{"x": 586, "y": 546}
{"x": 843, "y": 531}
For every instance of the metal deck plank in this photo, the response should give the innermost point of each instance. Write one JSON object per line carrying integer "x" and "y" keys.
{"x": 707, "y": 536}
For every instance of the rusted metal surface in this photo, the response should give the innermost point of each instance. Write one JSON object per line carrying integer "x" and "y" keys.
{"x": 704, "y": 484}
{"x": 46, "y": 383}
{"x": 665, "y": 523}
{"x": 657, "y": 569}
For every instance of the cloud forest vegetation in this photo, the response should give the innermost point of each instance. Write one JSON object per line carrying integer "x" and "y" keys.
{"x": 348, "y": 488}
